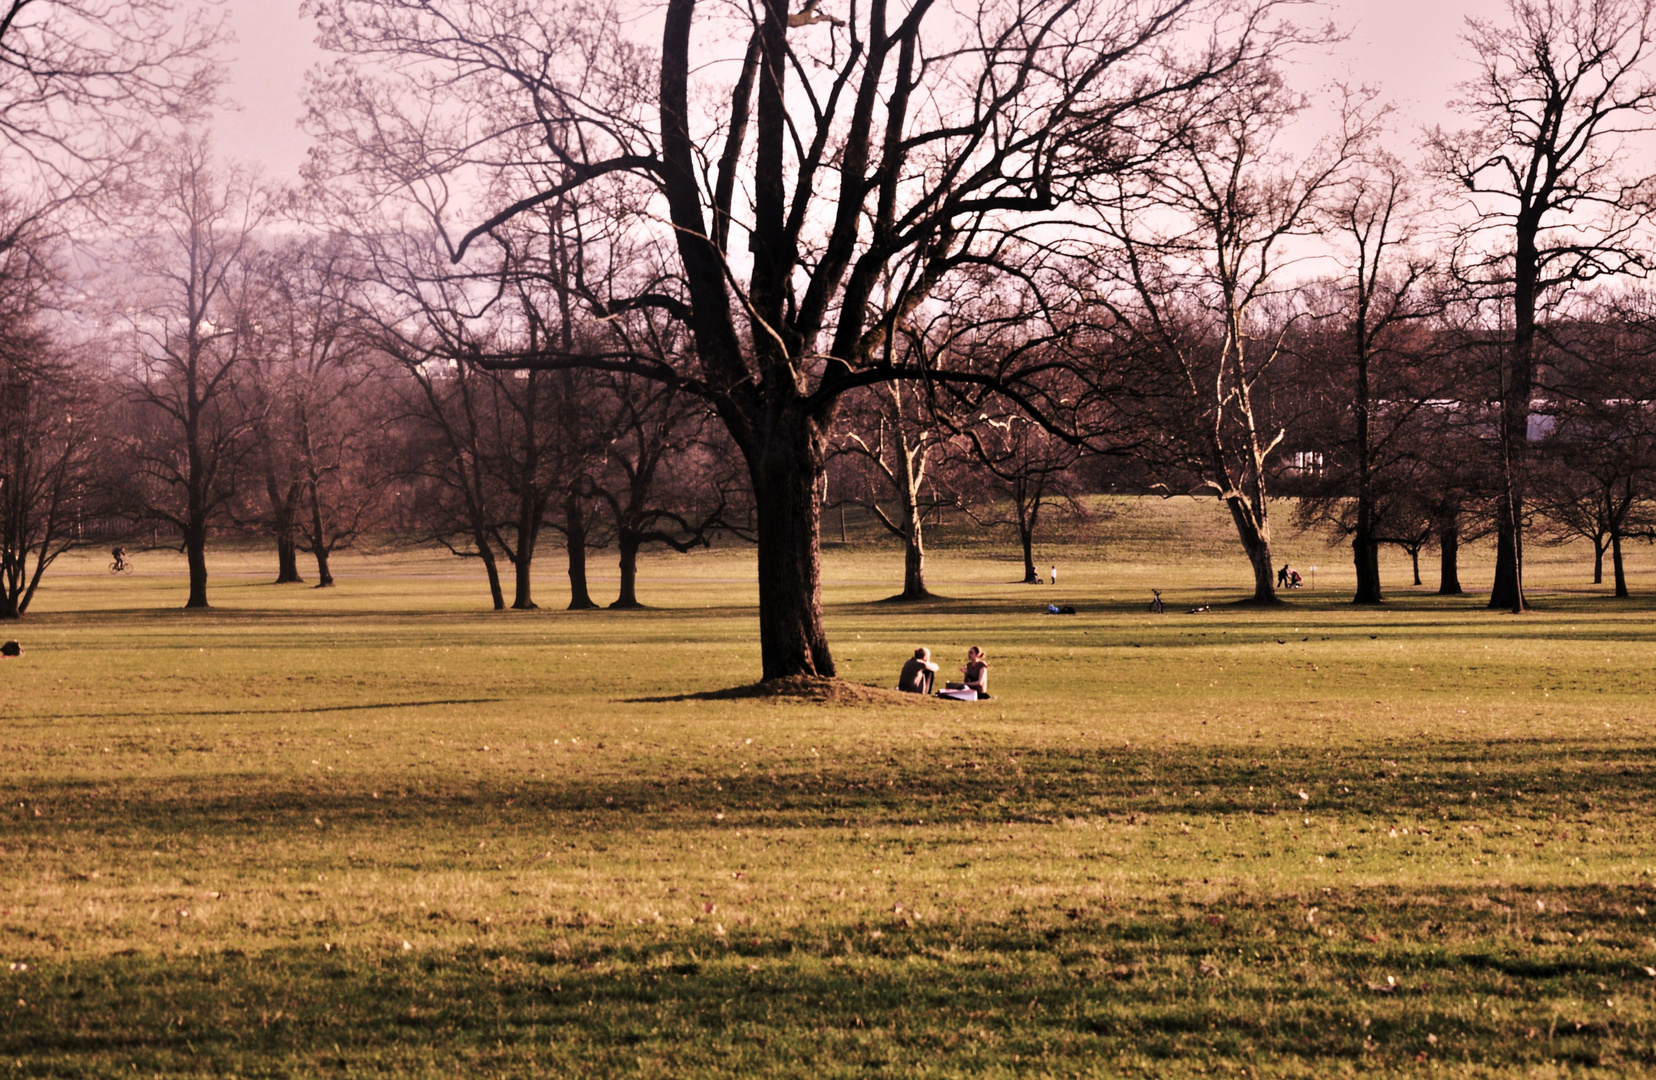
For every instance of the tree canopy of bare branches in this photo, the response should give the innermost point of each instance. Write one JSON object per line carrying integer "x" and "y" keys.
{"x": 796, "y": 183}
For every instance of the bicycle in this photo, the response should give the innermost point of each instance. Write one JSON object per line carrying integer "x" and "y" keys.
{"x": 121, "y": 565}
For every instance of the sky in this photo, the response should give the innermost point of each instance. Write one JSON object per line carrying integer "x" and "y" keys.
{"x": 1411, "y": 49}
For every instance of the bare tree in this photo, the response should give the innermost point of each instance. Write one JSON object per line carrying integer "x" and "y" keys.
{"x": 890, "y": 430}
{"x": 853, "y": 145}
{"x": 189, "y": 333}
{"x": 1594, "y": 470}
{"x": 1204, "y": 240}
{"x": 1383, "y": 300}
{"x": 49, "y": 408}
{"x": 314, "y": 420}
{"x": 1561, "y": 88}
{"x": 662, "y": 482}
{"x": 1031, "y": 471}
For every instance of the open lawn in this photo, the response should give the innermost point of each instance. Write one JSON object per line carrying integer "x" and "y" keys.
{"x": 378, "y": 830}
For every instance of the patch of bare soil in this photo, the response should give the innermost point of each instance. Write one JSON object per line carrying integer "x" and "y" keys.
{"x": 805, "y": 688}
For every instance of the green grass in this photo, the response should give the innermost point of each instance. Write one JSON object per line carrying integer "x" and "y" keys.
{"x": 380, "y": 831}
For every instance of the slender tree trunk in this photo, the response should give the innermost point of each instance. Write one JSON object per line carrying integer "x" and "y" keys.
{"x": 1598, "y": 561}
{"x": 492, "y": 568}
{"x": 283, "y": 511}
{"x": 1616, "y": 562}
{"x": 324, "y": 576}
{"x": 1508, "y": 590}
{"x": 784, "y": 471}
{"x": 318, "y": 543}
{"x": 1414, "y": 556}
{"x": 1365, "y": 551}
{"x": 575, "y": 529}
{"x": 523, "y": 565}
{"x": 1505, "y": 593}
{"x": 1449, "y": 556}
{"x": 626, "y": 542}
{"x": 1026, "y": 537}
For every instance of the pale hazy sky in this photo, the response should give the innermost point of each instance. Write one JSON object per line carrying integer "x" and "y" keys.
{"x": 1411, "y": 48}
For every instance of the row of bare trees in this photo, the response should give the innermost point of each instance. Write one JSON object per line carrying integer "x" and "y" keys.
{"x": 563, "y": 260}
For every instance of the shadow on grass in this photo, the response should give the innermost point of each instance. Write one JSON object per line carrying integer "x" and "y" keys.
{"x": 797, "y": 688}
{"x": 1163, "y": 987}
{"x": 105, "y": 714}
{"x": 955, "y": 784}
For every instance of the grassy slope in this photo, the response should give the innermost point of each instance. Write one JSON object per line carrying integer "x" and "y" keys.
{"x": 379, "y": 830}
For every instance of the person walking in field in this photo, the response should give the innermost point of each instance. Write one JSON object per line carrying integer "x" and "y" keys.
{"x": 1282, "y": 577}
{"x": 1055, "y": 573}
{"x": 917, "y": 674}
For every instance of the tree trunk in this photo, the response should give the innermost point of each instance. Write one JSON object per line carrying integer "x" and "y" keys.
{"x": 1507, "y": 591}
{"x": 626, "y": 542}
{"x": 523, "y": 566}
{"x": 283, "y": 512}
{"x": 914, "y": 562}
{"x": 492, "y": 568}
{"x": 1256, "y": 541}
{"x": 1414, "y": 556}
{"x": 195, "y": 551}
{"x": 318, "y": 543}
{"x": 287, "y": 556}
{"x": 1365, "y": 553}
{"x": 784, "y": 470}
{"x": 1616, "y": 562}
{"x": 1449, "y": 558}
{"x": 1026, "y": 536}
{"x": 1598, "y": 562}
{"x": 575, "y": 529}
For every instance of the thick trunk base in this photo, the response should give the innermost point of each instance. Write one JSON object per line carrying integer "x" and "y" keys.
{"x": 1507, "y": 591}
{"x": 792, "y": 641}
{"x": 1449, "y": 561}
{"x": 1365, "y": 556}
{"x": 287, "y": 561}
{"x": 195, "y": 549}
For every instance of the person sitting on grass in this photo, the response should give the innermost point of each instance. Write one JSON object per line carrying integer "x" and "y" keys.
{"x": 917, "y": 674}
{"x": 976, "y": 672}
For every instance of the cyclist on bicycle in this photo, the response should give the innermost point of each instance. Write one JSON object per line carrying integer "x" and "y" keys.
{"x": 120, "y": 559}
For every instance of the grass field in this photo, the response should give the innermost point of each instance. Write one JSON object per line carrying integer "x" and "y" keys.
{"x": 379, "y": 830}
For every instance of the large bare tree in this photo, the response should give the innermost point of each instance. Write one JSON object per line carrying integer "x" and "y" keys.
{"x": 1556, "y": 188}
{"x": 189, "y": 322}
{"x": 50, "y": 405}
{"x": 1205, "y": 294}
{"x": 842, "y": 146}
